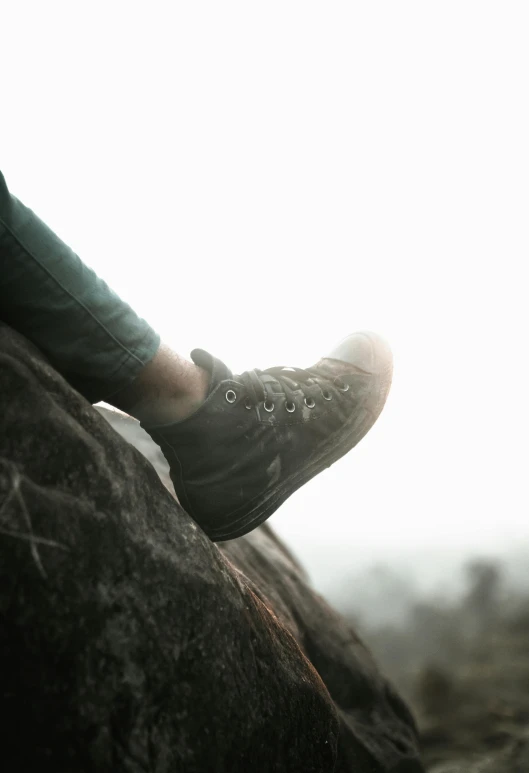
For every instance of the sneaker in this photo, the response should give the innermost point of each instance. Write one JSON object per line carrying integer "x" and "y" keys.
{"x": 261, "y": 435}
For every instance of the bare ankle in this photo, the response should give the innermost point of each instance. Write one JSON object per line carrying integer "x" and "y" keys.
{"x": 168, "y": 389}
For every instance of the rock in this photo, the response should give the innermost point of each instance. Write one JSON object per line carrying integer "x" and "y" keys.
{"x": 130, "y": 642}
{"x": 377, "y": 731}
{"x": 134, "y": 434}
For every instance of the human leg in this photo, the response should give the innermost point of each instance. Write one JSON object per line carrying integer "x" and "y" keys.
{"x": 48, "y": 294}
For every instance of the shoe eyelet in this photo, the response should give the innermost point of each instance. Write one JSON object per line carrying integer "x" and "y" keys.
{"x": 247, "y": 404}
{"x": 231, "y": 396}
{"x": 327, "y": 395}
{"x": 342, "y": 386}
{"x": 290, "y": 406}
{"x": 268, "y": 405}
{"x": 309, "y": 402}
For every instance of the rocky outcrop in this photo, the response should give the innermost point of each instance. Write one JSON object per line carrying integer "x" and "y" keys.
{"x": 130, "y": 642}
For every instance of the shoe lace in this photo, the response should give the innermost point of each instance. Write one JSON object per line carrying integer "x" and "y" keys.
{"x": 260, "y": 384}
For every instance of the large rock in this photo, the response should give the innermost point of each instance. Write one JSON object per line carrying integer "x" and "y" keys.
{"x": 130, "y": 642}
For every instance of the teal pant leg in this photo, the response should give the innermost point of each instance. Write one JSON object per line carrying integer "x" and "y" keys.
{"x": 92, "y": 337}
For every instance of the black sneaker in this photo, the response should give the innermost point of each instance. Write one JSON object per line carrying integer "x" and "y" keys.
{"x": 261, "y": 435}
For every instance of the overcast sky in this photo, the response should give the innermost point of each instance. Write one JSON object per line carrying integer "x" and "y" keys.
{"x": 261, "y": 179}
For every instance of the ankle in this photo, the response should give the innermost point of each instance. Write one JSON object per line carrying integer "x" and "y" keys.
{"x": 168, "y": 389}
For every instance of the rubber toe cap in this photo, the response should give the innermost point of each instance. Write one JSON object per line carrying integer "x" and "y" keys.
{"x": 365, "y": 350}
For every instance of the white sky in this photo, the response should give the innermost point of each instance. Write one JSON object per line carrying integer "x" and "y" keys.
{"x": 260, "y": 179}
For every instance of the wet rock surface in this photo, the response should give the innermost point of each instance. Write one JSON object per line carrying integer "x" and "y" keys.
{"x": 130, "y": 642}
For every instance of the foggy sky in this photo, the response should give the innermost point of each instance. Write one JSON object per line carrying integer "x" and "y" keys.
{"x": 260, "y": 181}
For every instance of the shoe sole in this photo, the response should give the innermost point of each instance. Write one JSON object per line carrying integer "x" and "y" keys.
{"x": 340, "y": 444}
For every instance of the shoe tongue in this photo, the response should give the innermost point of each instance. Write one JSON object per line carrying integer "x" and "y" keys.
{"x": 216, "y": 368}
